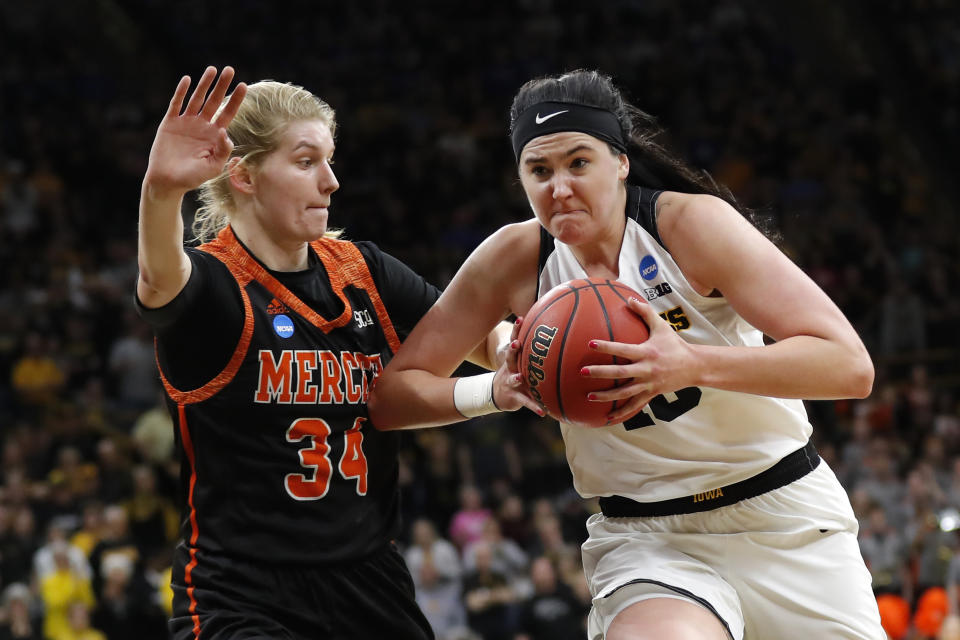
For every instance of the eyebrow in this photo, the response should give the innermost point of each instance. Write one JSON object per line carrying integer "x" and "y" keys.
{"x": 579, "y": 147}
{"x": 307, "y": 144}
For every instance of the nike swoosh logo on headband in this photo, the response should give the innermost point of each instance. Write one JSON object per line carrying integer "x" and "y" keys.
{"x": 540, "y": 120}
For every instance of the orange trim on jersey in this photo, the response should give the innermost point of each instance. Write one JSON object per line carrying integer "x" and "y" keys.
{"x": 345, "y": 265}
{"x": 187, "y": 443}
{"x": 241, "y": 258}
{"x": 239, "y": 353}
{"x": 335, "y": 253}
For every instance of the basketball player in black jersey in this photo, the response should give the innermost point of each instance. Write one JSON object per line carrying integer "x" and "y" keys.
{"x": 269, "y": 337}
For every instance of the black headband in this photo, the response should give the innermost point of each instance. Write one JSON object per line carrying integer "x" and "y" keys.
{"x": 543, "y": 118}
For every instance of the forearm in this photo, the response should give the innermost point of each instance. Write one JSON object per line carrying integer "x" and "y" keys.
{"x": 798, "y": 367}
{"x": 163, "y": 264}
{"x": 416, "y": 399}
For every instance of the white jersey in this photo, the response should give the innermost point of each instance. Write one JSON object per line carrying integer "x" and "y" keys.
{"x": 687, "y": 442}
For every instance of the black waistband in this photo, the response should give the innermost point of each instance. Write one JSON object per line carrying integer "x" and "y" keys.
{"x": 793, "y": 467}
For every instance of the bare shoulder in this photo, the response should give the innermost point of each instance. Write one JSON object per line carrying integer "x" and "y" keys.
{"x": 504, "y": 267}
{"x": 508, "y": 252}
{"x": 678, "y": 212}
{"x": 514, "y": 241}
{"x": 703, "y": 232}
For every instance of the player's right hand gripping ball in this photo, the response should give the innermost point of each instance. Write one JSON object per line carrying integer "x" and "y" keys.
{"x": 555, "y": 337}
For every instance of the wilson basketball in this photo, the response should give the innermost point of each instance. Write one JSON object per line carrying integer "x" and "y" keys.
{"x": 555, "y": 336}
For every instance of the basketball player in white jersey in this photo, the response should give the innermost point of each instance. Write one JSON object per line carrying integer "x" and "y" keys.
{"x": 719, "y": 520}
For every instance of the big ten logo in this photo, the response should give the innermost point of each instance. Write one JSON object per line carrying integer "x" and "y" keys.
{"x": 677, "y": 318}
{"x": 661, "y": 289}
{"x": 363, "y": 318}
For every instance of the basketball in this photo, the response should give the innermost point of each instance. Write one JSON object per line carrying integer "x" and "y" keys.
{"x": 554, "y": 346}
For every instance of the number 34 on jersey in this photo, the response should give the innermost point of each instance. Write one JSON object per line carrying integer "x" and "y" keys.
{"x": 315, "y": 459}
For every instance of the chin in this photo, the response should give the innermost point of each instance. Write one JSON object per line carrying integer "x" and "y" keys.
{"x": 314, "y": 230}
{"x": 571, "y": 234}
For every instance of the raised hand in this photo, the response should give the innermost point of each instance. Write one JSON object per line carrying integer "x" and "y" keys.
{"x": 191, "y": 145}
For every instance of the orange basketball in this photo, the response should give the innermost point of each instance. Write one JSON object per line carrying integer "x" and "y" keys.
{"x": 555, "y": 336}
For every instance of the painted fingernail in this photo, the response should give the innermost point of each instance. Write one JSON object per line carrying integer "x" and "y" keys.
{"x": 517, "y": 321}
{"x": 515, "y": 344}
{"x": 592, "y": 344}
{"x": 516, "y": 378}
{"x": 585, "y": 372}
{"x": 541, "y": 412}
{"x": 591, "y": 396}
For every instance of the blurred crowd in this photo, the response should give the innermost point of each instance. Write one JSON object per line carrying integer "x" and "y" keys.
{"x": 850, "y": 161}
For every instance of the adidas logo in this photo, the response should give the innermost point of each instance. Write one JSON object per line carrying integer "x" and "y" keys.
{"x": 276, "y": 307}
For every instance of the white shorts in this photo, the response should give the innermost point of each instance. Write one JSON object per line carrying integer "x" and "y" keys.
{"x": 784, "y": 564}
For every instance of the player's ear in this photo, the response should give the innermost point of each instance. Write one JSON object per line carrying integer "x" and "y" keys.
{"x": 241, "y": 177}
{"x": 623, "y": 170}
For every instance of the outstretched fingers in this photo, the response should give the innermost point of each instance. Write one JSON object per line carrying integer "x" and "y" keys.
{"x": 199, "y": 95}
{"x": 216, "y": 96}
{"x": 176, "y": 102}
{"x": 232, "y": 106}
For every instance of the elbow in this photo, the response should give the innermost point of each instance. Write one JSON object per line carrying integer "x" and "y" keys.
{"x": 379, "y": 418}
{"x": 861, "y": 378}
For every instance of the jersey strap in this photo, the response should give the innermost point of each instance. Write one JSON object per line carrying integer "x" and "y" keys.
{"x": 346, "y": 260}
{"x": 642, "y": 208}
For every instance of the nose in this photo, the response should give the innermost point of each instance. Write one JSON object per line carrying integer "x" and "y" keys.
{"x": 560, "y": 184}
{"x": 327, "y": 179}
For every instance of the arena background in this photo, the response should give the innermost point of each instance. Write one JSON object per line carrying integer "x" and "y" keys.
{"x": 838, "y": 120}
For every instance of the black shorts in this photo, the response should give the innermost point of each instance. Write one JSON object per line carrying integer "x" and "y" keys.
{"x": 372, "y": 597}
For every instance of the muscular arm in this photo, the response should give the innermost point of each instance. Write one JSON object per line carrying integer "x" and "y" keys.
{"x": 408, "y": 297}
{"x": 817, "y": 353}
{"x": 498, "y": 278}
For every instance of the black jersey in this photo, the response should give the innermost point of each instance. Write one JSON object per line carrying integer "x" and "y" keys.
{"x": 280, "y": 463}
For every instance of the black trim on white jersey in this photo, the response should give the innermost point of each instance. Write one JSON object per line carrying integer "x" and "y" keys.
{"x": 546, "y": 248}
{"x": 642, "y": 208}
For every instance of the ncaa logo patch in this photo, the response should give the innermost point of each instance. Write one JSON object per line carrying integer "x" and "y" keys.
{"x": 283, "y": 326}
{"x": 648, "y": 268}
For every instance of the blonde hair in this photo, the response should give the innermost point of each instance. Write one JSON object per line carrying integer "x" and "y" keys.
{"x": 266, "y": 111}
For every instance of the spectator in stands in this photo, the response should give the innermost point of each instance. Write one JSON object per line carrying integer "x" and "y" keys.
{"x": 506, "y": 556}
{"x": 491, "y": 601}
{"x": 552, "y": 612}
{"x": 78, "y": 625}
{"x": 885, "y": 551}
{"x": 466, "y": 526}
{"x": 61, "y": 589}
{"x": 17, "y": 614}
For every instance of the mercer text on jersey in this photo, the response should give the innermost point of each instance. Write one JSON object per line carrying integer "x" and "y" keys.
{"x": 315, "y": 377}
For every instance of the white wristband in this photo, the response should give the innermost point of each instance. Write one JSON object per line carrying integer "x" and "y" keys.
{"x": 473, "y": 395}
